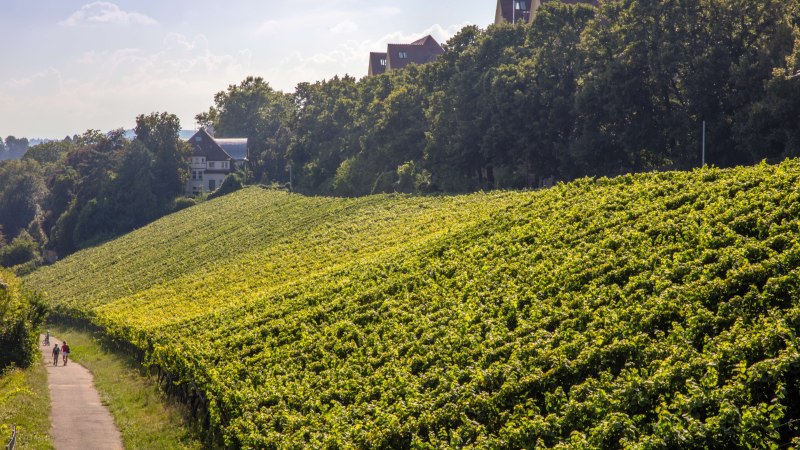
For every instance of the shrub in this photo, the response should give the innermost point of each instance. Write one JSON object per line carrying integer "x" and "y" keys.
{"x": 22, "y": 249}
{"x": 21, "y": 315}
{"x": 183, "y": 203}
{"x": 232, "y": 183}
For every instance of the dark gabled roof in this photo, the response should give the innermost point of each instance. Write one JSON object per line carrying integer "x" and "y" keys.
{"x": 421, "y": 51}
{"x": 236, "y": 148}
{"x": 505, "y": 11}
{"x": 204, "y": 145}
{"x": 377, "y": 63}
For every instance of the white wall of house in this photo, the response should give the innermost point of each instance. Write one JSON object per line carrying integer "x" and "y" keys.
{"x": 200, "y": 180}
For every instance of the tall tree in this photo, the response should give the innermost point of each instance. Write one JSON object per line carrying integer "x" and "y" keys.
{"x": 325, "y": 133}
{"x": 132, "y": 193}
{"x": 160, "y": 134}
{"x": 253, "y": 109}
{"x": 22, "y": 190}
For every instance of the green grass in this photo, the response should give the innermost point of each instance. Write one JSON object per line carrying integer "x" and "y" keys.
{"x": 145, "y": 417}
{"x": 646, "y": 311}
{"x": 25, "y": 401}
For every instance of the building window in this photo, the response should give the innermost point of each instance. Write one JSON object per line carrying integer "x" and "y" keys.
{"x": 403, "y": 55}
{"x": 383, "y": 62}
{"x": 212, "y": 185}
{"x": 521, "y": 5}
{"x": 211, "y": 165}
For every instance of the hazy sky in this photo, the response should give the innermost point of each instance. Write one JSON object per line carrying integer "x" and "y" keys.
{"x": 69, "y": 66}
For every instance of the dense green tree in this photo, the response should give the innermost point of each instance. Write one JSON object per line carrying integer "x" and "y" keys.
{"x": 160, "y": 134}
{"x": 63, "y": 231}
{"x": 49, "y": 152}
{"x": 94, "y": 161}
{"x": 16, "y": 145}
{"x": 21, "y": 250}
{"x": 61, "y": 181}
{"x": 452, "y": 147}
{"x": 22, "y": 190}
{"x": 95, "y": 223}
{"x": 253, "y": 109}
{"x": 657, "y": 69}
{"x": 325, "y": 134}
{"x": 131, "y": 193}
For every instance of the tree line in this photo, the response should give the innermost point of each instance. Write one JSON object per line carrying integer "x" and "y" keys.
{"x": 580, "y": 91}
{"x": 13, "y": 147}
{"x": 66, "y": 195}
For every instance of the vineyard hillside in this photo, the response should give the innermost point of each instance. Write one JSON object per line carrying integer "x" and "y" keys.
{"x": 646, "y": 311}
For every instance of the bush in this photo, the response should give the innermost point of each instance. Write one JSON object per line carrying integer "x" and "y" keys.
{"x": 23, "y": 249}
{"x": 183, "y": 203}
{"x": 21, "y": 315}
{"x": 232, "y": 183}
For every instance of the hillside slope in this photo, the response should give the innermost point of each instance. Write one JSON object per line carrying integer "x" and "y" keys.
{"x": 654, "y": 310}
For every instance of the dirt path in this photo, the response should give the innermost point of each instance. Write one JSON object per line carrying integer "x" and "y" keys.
{"x": 78, "y": 419}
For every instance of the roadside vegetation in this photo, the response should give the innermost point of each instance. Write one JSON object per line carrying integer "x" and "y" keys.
{"x": 146, "y": 418}
{"x": 25, "y": 402}
{"x": 24, "y": 399}
{"x": 653, "y": 310}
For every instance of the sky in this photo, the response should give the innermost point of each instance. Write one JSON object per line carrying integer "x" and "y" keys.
{"x": 70, "y": 66}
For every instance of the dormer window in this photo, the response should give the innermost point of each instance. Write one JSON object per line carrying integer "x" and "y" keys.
{"x": 383, "y": 62}
{"x": 210, "y": 165}
{"x": 403, "y": 55}
{"x": 521, "y": 5}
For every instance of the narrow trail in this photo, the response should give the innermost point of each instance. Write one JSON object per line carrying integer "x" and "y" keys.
{"x": 78, "y": 419}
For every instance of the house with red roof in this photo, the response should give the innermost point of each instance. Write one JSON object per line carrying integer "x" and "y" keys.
{"x": 398, "y": 56}
{"x": 513, "y": 11}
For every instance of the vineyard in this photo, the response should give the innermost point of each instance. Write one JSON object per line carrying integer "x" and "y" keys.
{"x": 646, "y": 311}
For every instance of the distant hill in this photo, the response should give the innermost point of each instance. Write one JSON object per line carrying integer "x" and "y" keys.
{"x": 658, "y": 310}
{"x": 9, "y": 154}
{"x": 184, "y": 134}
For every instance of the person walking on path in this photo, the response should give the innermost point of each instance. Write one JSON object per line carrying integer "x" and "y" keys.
{"x": 47, "y": 338}
{"x": 79, "y": 420}
{"x": 56, "y": 351}
{"x": 65, "y": 351}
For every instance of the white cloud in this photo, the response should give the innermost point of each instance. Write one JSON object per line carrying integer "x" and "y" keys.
{"x": 108, "y": 89}
{"x": 47, "y": 74}
{"x": 344, "y": 27}
{"x": 101, "y": 13}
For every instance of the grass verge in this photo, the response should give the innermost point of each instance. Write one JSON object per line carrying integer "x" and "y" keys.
{"x": 146, "y": 418}
{"x": 25, "y": 401}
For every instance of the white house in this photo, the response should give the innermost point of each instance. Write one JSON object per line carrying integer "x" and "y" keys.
{"x": 210, "y": 163}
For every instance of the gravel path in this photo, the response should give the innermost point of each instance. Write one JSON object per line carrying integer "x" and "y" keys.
{"x": 78, "y": 419}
